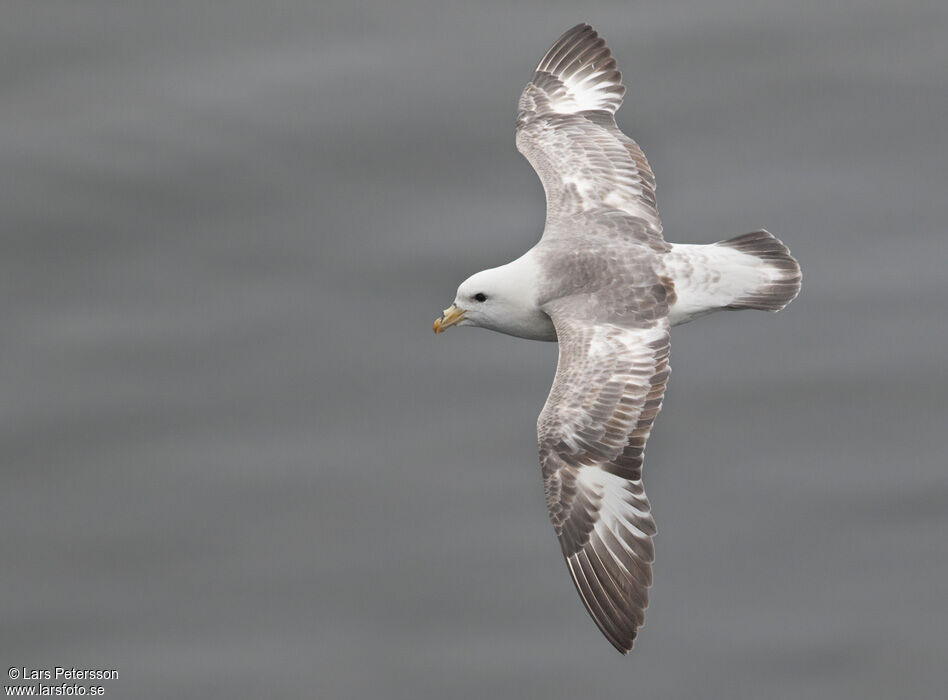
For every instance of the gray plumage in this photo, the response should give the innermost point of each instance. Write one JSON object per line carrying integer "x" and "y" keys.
{"x": 605, "y": 284}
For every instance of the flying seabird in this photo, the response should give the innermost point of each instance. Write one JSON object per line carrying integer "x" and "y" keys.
{"x": 603, "y": 283}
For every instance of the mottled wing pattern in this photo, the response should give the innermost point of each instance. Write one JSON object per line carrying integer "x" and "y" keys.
{"x": 592, "y": 433}
{"x": 566, "y": 128}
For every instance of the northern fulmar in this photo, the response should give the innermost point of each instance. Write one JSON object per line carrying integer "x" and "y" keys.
{"x": 603, "y": 283}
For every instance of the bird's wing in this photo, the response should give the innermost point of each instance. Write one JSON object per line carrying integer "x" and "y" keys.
{"x": 592, "y": 432}
{"x": 566, "y": 128}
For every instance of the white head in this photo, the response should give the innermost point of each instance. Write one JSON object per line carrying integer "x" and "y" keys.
{"x": 502, "y": 299}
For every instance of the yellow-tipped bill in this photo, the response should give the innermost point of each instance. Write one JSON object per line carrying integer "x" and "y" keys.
{"x": 451, "y": 317}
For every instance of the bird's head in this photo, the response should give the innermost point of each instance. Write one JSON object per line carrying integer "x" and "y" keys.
{"x": 502, "y": 299}
{"x": 480, "y": 301}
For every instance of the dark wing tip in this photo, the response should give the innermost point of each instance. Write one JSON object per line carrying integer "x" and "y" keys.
{"x": 581, "y": 61}
{"x": 617, "y": 614}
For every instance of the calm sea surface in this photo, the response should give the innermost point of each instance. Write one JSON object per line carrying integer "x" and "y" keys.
{"x": 237, "y": 463}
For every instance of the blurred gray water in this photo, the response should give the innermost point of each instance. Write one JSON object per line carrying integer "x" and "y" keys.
{"x": 237, "y": 463}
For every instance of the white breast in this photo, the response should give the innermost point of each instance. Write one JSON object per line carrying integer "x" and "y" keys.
{"x": 519, "y": 314}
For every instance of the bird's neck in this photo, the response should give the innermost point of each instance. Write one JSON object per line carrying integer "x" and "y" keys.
{"x": 523, "y": 318}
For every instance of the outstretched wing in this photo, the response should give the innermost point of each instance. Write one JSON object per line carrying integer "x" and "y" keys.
{"x": 567, "y": 130}
{"x": 592, "y": 433}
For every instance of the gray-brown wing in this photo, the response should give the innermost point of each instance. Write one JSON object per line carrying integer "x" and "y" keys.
{"x": 566, "y": 128}
{"x": 608, "y": 388}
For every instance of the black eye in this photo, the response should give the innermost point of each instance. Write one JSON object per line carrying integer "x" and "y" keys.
{"x": 480, "y": 296}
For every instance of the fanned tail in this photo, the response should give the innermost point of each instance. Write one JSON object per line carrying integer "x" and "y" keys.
{"x": 783, "y": 284}
{"x": 752, "y": 271}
